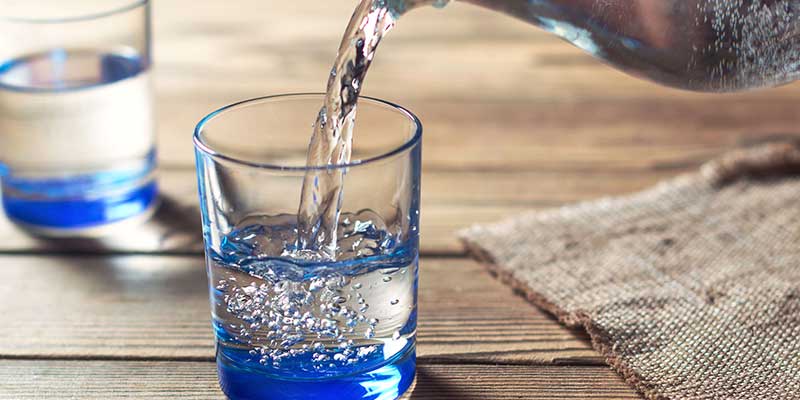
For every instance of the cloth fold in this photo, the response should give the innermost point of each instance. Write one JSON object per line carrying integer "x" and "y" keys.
{"x": 691, "y": 289}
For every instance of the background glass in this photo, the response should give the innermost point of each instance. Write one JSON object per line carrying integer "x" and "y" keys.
{"x": 76, "y": 120}
{"x": 290, "y": 327}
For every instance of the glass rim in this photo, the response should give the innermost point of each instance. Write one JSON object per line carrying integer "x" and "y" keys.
{"x": 128, "y": 6}
{"x": 201, "y": 146}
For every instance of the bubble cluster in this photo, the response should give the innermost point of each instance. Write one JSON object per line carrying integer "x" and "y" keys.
{"x": 329, "y": 314}
{"x": 282, "y": 319}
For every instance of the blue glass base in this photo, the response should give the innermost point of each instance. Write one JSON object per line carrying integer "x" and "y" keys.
{"x": 54, "y": 216}
{"x": 387, "y": 382}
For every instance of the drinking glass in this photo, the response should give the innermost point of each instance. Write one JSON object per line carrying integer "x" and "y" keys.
{"x": 289, "y": 326}
{"x": 76, "y": 122}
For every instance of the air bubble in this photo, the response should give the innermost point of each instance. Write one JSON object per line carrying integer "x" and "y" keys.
{"x": 250, "y": 290}
{"x": 365, "y": 351}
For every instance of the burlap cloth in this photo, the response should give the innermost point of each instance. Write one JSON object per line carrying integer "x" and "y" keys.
{"x": 691, "y": 289}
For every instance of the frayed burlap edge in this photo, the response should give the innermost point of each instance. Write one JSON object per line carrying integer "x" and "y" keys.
{"x": 761, "y": 162}
{"x": 572, "y": 320}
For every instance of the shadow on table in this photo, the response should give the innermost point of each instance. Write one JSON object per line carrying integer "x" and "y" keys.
{"x": 174, "y": 228}
{"x": 149, "y": 262}
{"x": 432, "y": 386}
{"x": 138, "y": 259}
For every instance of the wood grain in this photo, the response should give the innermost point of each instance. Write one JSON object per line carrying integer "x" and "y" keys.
{"x": 475, "y": 135}
{"x": 157, "y": 307}
{"x": 22, "y": 380}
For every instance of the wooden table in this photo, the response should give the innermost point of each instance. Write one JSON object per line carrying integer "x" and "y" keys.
{"x": 534, "y": 123}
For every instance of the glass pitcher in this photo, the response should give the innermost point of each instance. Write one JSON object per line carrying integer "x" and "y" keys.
{"x": 702, "y": 45}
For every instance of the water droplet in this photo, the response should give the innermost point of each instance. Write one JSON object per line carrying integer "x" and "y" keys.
{"x": 394, "y": 302}
{"x": 387, "y": 278}
{"x": 396, "y": 335}
{"x": 357, "y": 285}
{"x": 339, "y": 357}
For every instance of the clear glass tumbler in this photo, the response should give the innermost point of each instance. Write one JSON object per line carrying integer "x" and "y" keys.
{"x": 290, "y": 327}
{"x": 76, "y": 119}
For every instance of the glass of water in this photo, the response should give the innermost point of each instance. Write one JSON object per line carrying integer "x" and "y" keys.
{"x": 290, "y": 327}
{"x": 76, "y": 120}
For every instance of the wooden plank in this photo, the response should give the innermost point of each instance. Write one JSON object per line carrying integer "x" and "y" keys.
{"x": 157, "y": 307}
{"x": 451, "y": 200}
{"x": 52, "y": 379}
{"x": 546, "y": 135}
